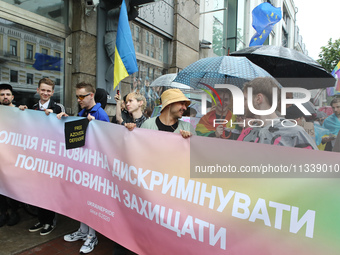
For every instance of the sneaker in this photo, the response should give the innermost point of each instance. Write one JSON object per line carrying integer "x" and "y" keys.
{"x": 89, "y": 244}
{"x": 75, "y": 236}
{"x": 14, "y": 219}
{"x": 46, "y": 229}
{"x": 36, "y": 227}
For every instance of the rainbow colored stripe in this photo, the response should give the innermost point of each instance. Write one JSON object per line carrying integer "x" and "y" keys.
{"x": 336, "y": 74}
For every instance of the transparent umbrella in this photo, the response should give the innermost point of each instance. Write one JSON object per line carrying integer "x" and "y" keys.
{"x": 220, "y": 70}
{"x": 166, "y": 80}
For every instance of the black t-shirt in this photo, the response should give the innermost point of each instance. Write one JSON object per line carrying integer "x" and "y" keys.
{"x": 87, "y": 111}
{"x": 166, "y": 128}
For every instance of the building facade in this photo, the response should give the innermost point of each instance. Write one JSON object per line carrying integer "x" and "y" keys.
{"x": 168, "y": 35}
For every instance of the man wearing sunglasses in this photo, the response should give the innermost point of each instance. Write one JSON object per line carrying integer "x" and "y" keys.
{"x": 85, "y": 93}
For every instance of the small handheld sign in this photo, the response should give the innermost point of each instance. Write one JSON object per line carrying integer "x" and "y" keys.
{"x": 75, "y": 132}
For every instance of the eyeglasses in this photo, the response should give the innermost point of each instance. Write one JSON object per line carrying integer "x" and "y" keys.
{"x": 81, "y": 97}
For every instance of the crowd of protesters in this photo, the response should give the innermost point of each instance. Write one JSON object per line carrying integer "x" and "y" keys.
{"x": 134, "y": 110}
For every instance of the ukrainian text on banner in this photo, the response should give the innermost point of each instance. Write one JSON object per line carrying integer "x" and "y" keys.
{"x": 135, "y": 188}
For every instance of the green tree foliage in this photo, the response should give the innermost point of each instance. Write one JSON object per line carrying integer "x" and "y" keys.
{"x": 217, "y": 44}
{"x": 330, "y": 55}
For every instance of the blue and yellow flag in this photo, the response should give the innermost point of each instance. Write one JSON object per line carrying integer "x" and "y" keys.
{"x": 265, "y": 16}
{"x": 46, "y": 62}
{"x": 125, "y": 56}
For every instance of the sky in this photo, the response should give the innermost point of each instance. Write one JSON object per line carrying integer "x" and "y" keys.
{"x": 318, "y": 21}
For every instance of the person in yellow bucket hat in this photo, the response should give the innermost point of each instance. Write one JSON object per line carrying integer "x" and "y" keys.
{"x": 174, "y": 103}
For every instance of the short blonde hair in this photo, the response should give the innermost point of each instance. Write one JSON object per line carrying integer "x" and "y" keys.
{"x": 139, "y": 97}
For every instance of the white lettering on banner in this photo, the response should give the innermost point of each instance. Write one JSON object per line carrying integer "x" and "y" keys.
{"x": 153, "y": 212}
{"x": 190, "y": 191}
{"x": 167, "y": 224}
{"x": 201, "y": 225}
{"x": 5, "y": 134}
{"x": 279, "y": 212}
{"x": 101, "y": 208}
{"x": 260, "y": 207}
{"x": 239, "y": 205}
{"x": 48, "y": 146}
{"x": 19, "y": 140}
{"x": 86, "y": 156}
{"x": 95, "y": 182}
{"x": 169, "y": 184}
{"x": 224, "y": 200}
{"x": 29, "y": 163}
{"x": 53, "y": 169}
{"x": 92, "y": 157}
{"x": 124, "y": 172}
{"x": 170, "y": 219}
{"x": 209, "y": 195}
{"x": 34, "y": 143}
{"x": 188, "y": 227}
{"x": 198, "y": 193}
{"x": 308, "y": 218}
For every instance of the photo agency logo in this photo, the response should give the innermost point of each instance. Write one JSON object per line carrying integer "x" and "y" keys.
{"x": 239, "y": 104}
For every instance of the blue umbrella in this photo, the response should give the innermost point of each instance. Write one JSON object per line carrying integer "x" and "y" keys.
{"x": 220, "y": 70}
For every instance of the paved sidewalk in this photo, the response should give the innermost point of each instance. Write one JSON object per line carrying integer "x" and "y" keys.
{"x": 59, "y": 247}
{"x": 17, "y": 240}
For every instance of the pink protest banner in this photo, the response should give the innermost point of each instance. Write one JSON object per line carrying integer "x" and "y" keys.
{"x": 135, "y": 188}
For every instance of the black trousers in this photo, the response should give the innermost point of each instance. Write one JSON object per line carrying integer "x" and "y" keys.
{"x": 45, "y": 216}
{"x": 7, "y": 203}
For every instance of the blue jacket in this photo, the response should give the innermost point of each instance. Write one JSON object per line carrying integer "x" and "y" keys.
{"x": 97, "y": 111}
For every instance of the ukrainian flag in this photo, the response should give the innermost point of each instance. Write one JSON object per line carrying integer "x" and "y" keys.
{"x": 125, "y": 56}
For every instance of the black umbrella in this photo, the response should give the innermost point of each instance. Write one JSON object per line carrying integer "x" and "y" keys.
{"x": 290, "y": 67}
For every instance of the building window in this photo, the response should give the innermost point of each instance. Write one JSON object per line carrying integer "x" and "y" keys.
{"x": 29, "y": 51}
{"x": 44, "y": 51}
{"x": 137, "y": 34}
{"x": 20, "y": 45}
{"x": 13, "y": 47}
{"x": 29, "y": 78}
{"x": 152, "y": 75}
{"x": 14, "y": 76}
{"x": 57, "y": 55}
{"x": 152, "y": 54}
{"x": 160, "y": 57}
{"x": 57, "y": 81}
{"x": 284, "y": 38}
{"x": 56, "y": 10}
{"x": 147, "y": 37}
{"x": 147, "y": 52}
{"x": 160, "y": 43}
{"x": 138, "y": 48}
{"x": 151, "y": 39}
{"x": 132, "y": 30}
